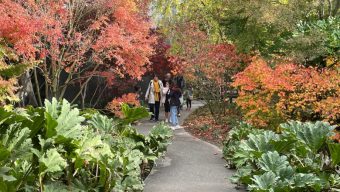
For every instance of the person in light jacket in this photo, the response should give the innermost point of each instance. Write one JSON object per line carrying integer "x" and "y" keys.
{"x": 166, "y": 99}
{"x": 154, "y": 96}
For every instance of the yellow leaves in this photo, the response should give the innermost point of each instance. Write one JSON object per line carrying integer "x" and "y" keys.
{"x": 284, "y": 2}
{"x": 332, "y": 61}
{"x": 8, "y": 107}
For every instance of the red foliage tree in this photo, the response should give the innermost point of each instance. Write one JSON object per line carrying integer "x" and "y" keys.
{"x": 160, "y": 61}
{"x": 79, "y": 38}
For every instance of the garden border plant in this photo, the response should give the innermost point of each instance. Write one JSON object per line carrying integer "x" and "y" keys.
{"x": 56, "y": 149}
{"x": 303, "y": 157}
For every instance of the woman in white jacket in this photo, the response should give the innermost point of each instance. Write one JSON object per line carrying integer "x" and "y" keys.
{"x": 154, "y": 96}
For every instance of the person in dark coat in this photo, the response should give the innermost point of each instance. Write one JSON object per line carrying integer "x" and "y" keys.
{"x": 180, "y": 81}
{"x": 174, "y": 95}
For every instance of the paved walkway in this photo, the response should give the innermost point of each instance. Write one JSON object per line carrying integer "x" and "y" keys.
{"x": 190, "y": 165}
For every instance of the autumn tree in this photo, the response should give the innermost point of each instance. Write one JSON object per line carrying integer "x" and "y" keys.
{"x": 206, "y": 65}
{"x": 270, "y": 96}
{"x": 76, "y": 40}
{"x": 160, "y": 60}
{"x": 16, "y": 50}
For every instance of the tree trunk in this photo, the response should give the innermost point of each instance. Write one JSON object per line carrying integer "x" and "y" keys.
{"x": 336, "y": 7}
{"x": 26, "y": 93}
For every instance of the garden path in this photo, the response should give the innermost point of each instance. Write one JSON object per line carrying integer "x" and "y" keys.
{"x": 190, "y": 164}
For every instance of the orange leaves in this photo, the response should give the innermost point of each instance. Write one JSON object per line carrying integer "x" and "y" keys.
{"x": 115, "y": 105}
{"x": 197, "y": 57}
{"x": 316, "y": 95}
{"x": 114, "y": 33}
{"x": 211, "y": 63}
{"x": 287, "y": 91}
{"x": 127, "y": 40}
{"x": 253, "y": 76}
{"x": 336, "y": 137}
{"x": 18, "y": 27}
{"x": 215, "y": 60}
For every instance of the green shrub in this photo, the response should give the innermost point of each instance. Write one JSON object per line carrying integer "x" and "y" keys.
{"x": 57, "y": 149}
{"x": 232, "y": 142}
{"x": 301, "y": 158}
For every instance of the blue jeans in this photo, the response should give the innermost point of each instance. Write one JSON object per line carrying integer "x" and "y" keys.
{"x": 173, "y": 115}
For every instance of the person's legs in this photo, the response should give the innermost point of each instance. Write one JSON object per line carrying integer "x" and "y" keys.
{"x": 157, "y": 104}
{"x": 167, "y": 110}
{"x": 152, "y": 110}
{"x": 189, "y": 103}
{"x": 179, "y": 110}
{"x": 166, "y": 117}
{"x": 173, "y": 115}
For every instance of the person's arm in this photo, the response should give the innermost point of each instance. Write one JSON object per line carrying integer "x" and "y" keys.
{"x": 185, "y": 94}
{"x": 171, "y": 93}
{"x": 161, "y": 88}
{"x": 161, "y": 84}
{"x": 147, "y": 92}
{"x": 165, "y": 90}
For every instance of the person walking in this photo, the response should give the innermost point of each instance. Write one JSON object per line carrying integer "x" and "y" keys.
{"x": 167, "y": 78}
{"x": 175, "y": 94}
{"x": 180, "y": 82}
{"x": 153, "y": 96}
{"x": 188, "y": 95}
{"x": 165, "y": 99}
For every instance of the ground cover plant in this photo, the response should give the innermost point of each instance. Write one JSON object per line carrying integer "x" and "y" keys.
{"x": 54, "y": 148}
{"x": 303, "y": 157}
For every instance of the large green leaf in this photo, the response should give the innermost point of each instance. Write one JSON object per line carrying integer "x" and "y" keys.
{"x": 162, "y": 131}
{"x": 264, "y": 182}
{"x": 258, "y": 144}
{"x": 102, "y": 123}
{"x": 272, "y": 161}
{"x": 314, "y": 135}
{"x": 132, "y": 114}
{"x": 91, "y": 148}
{"x": 16, "y": 141}
{"x": 62, "y": 120}
{"x": 334, "y": 149}
{"x": 32, "y": 118}
{"x": 4, "y": 174}
{"x": 243, "y": 175}
{"x": 302, "y": 180}
{"x": 240, "y": 132}
{"x": 4, "y": 153}
{"x": 52, "y": 162}
{"x": 159, "y": 139}
{"x": 56, "y": 187}
{"x": 286, "y": 173}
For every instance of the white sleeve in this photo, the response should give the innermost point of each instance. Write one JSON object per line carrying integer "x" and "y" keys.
{"x": 161, "y": 85}
{"x": 147, "y": 92}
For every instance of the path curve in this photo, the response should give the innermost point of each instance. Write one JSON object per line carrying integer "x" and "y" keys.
{"x": 190, "y": 165}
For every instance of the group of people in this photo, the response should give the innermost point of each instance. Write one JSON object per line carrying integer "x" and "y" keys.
{"x": 169, "y": 94}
